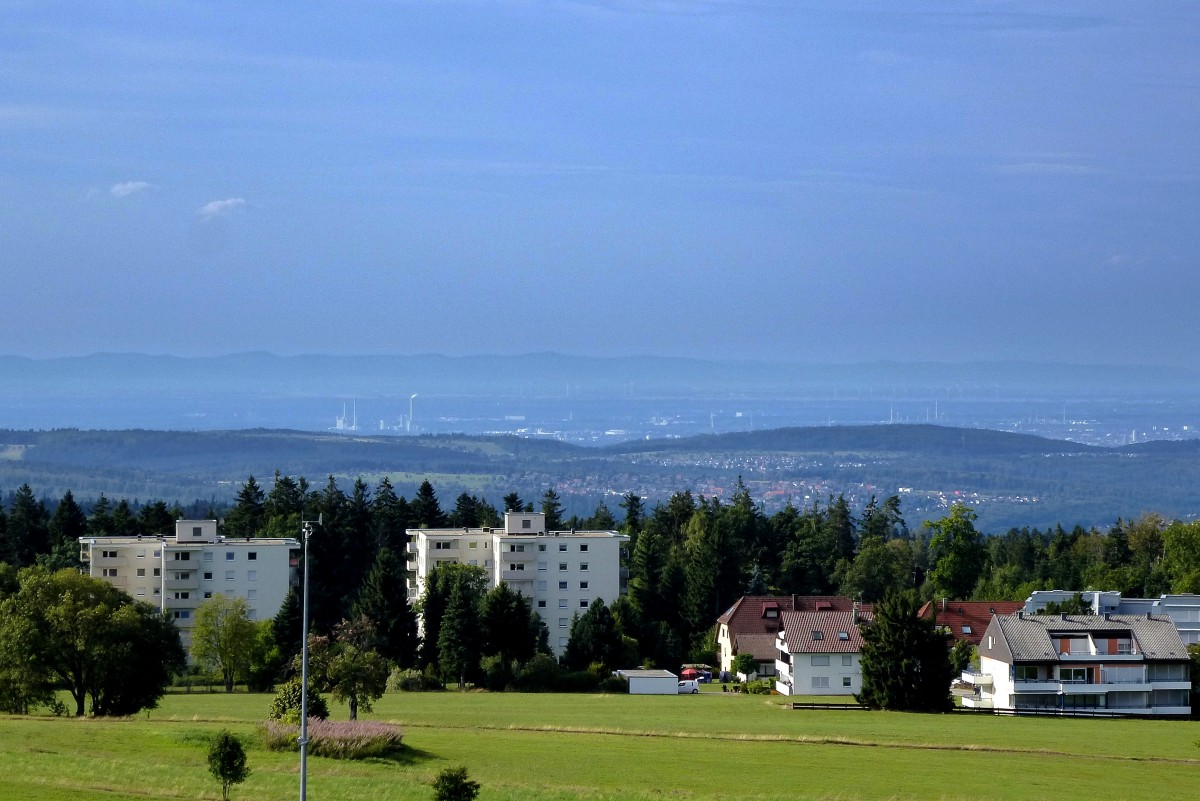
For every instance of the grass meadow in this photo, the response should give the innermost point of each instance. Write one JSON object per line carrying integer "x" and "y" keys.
{"x": 551, "y": 747}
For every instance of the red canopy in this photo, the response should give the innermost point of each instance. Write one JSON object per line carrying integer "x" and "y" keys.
{"x": 689, "y": 673}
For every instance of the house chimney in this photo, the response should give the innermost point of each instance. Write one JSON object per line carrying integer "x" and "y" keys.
{"x": 943, "y": 604}
{"x": 854, "y": 613}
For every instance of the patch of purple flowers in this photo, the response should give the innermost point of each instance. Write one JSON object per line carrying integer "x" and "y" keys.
{"x": 350, "y": 739}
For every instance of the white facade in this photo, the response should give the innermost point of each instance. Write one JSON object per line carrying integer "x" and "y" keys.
{"x": 819, "y": 653}
{"x": 561, "y": 572}
{"x": 651, "y": 682}
{"x": 1128, "y": 664}
{"x": 818, "y": 674}
{"x": 176, "y": 574}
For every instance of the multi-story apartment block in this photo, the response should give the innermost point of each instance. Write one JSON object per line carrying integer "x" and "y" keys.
{"x": 176, "y": 574}
{"x": 1132, "y": 664}
{"x": 561, "y": 572}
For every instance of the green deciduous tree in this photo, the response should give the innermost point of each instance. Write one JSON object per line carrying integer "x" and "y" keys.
{"x": 84, "y": 636}
{"x": 352, "y": 670}
{"x": 955, "y": 552}
{"x": 227, "y": 762}
{"x": 223, "y": 637}
{"x": 905, "y": 659}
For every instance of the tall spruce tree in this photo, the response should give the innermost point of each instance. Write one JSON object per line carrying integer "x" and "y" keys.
{"x": 383, "y": 600}
{"x": 905, "y": 659}
{"x": 458, "y": 639}
{"x": 248, "y": 514}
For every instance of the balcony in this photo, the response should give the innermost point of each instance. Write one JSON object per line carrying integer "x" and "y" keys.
{"x": 977, "y": 679}
{"x": 192, "y": 583}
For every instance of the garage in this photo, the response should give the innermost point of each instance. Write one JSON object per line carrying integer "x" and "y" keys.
{"x": 651, "y": 682}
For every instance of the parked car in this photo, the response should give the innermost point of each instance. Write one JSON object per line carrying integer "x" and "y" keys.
{"x": 689, "y": 686}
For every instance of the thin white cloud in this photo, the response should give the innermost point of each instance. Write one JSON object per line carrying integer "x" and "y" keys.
{"x": 221, "y": 208}
{"x": 127, "y": 188}
{"x": 1047, "y": 168}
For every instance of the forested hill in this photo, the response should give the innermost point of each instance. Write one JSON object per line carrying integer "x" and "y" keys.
{"x": 911, "y": 439}
{"x": 1011, "y": 479}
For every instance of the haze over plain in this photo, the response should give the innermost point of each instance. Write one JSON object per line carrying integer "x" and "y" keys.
{"x": 713, "y": 178}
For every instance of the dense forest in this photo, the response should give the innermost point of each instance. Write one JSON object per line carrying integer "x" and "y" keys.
{"x": 688, "y": 559}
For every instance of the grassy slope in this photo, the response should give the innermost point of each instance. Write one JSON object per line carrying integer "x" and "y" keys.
{"x": 701, "y": 747}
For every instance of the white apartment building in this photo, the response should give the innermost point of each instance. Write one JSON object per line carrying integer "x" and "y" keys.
{"x": 1131, "y": 664}
{"x": 819, "y": 653}
{"x": 561, "y": 572}
{"x": 176, "y": 574}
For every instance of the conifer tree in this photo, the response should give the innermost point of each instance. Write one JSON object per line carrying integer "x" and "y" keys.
{"x": 905, "y": 659}
{"x": 383, "y": 599}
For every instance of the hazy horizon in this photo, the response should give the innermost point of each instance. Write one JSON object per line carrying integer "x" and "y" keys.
{"x": 826, "y": 183}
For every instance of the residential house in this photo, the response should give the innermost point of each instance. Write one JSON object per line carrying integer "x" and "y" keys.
{"x": 820, "y": 653}
{"x": 1134, "y": 664}
{"x": 752, "y": 624}
{"x": 176, "y": 574}
{"x": 967, "y": 620}
{"x": 561, "y": 572}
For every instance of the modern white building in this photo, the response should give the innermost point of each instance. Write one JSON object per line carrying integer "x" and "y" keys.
{"x": 176, "y": 574}
{"x": 561, "y": 572}
{"x": 1131, "y": 664}
{"x": 819, "y": 653}
{"x": 1183, "y": 609}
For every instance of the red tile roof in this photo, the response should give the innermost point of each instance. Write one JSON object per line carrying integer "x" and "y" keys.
{"x": 746, "y": 615}
{"x": 968, "y": 620}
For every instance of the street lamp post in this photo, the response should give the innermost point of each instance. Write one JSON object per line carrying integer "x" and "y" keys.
{"x": 306, "y": 527}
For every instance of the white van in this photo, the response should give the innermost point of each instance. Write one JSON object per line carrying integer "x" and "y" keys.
{"x": 689, "y": 686}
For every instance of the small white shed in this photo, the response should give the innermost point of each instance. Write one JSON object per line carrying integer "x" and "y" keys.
{"x": 651, "y": 682}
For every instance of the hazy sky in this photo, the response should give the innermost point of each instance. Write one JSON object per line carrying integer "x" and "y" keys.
{"x": 829, "y": 181}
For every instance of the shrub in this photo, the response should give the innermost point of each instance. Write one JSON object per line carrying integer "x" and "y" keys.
{"x": 352, "y": 739}
{"x": 286, "y": 704}
{"x": 227, "y": 762}
{"x": 452, "y": 784}
{"x": 498, "y": 674}
{"x": 614, "y": 684}
{"x": 412, "y": 681}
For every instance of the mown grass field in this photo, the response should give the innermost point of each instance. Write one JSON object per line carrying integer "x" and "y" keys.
{"x": 550, "y": 747}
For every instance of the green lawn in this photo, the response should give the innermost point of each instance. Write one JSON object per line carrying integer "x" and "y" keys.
{"x": 543, "y": 747}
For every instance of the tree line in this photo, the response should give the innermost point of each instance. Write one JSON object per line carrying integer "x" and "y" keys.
{"x": 689, "y": 558}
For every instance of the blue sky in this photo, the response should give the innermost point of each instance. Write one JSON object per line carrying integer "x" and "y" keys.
{"x": 753, "y": 179}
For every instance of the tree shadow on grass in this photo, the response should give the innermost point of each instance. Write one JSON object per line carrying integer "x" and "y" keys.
{"x": 406, "y": 757}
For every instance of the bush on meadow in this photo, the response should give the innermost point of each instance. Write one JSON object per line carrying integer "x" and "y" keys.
{"x": 349, "y": 739}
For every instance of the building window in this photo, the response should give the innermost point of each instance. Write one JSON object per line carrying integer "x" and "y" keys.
{"x": 252, "y": 556}
{"x": 208, "y": 595}
{"x": 845, "y": 681}
{"x": 156, "y": 591}
{"x": 182, "y": 596}
{"x": 472, "y": 544}
{"x": 562, "y": 546}
{"x": 847, "y": 660}
{"x": 251, "y": 575}
{"x": 183, "y": 575}
{"x": 141, "y": 571}
{"x": 181, "y": 556}
{"x": 583, "y": 547}
{"x": 844, "y": 636}
{"x": 182, "y": 614}
{"x": 208, "y": 556}
{"x": 251, "y": 595}
{"x": 518, "y": 566}
{"x": 196, "y": 531}
{"x": 108, "y": 554}
{"x": 820, "y": 682}
{"x": 441, "y": 546}
{"x": 229, "y": 575}
{"x": 208, "y": 576}
{"x": 542, "y": 546}
{"x": 966, "y": 629}
{"x": 1025, "y": 672}
{"x": 562, "y": 642}
{"x": 541, "y": 604}
{"x": 562, "y": 603}
{"x": 583, "y": 604}
{"x": 562, "y": 565}
{"x": 541, "y": 565}
{"x": 526, "y": 523}
{"x": 562, "y": 622}
{"x": 583, "y": 566}
{"x": 562, "y": 585}
{"x": 516, "y": 549}
{"x": 820, "y": 660}
{"x": 141, "y": 554}
{"x": 141, "y": 593}
{"x": 157, "y": 554}
{"x": 252, "y": 614}
{"x": 229, "y": 556}
{"x": 583, "y": 585}
{"x": 541, "y": 586}
{"x": 473, "y": 562}
{"x": 110, "y": 572}
{"x": 818, "y": 635}
{"x": 157, "y": 571}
